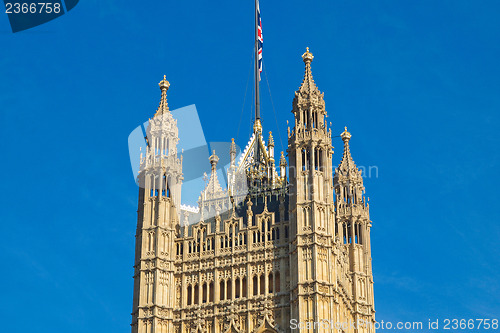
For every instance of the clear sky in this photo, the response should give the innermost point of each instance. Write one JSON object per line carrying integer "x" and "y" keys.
{"x": 416, "y": 82}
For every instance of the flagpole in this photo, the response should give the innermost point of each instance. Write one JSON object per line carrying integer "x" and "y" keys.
{"x": 257, "y": 90}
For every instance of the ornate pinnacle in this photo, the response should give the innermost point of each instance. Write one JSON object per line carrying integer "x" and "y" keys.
{"x": 346, "y": 136}
{"x": 307, "y": 56}
{"x": 233, "y": 147}
{"x": 213, "y": 160}
{"x": 164, "y": 84}
{"x": 308, "y": 86}
{"x": 347, "y": 166}
{"x": 270, "y": 142}
{"x": 282, "y": 159}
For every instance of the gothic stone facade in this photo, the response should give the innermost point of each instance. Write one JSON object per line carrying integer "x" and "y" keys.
{"x": 276, "y": 251}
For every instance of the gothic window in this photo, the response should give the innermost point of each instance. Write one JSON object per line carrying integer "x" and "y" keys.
{"x": 196, "y": 294}
{"x": 262, "y": 284}
{"x": 349, "y": 235}
{"x": 229, "y": 289}
{"x": 150, "y": 241}
{"x": 237, "y": 288}
{"x": 346, "y": 233}
{"x": 205, "y": 292}
{"x": 211, "y": 292}
{"x": 286, "y": 231}
{"x": 189, "y": 295}
{"x": 309, "y": 161}
{"x": 359, "y": 234}
{"x": 304, "y": 161}
{"x": 255, "y": 286}
{"x": 277, "y": 282}
{"x": 356, "y": 227}
{"x": 244, "y": 287}
{"x": 270, "y": 282}
{"x": 316, "y": 158}
{"x": 164, "y": 181}
{"x": 221, "y": 289}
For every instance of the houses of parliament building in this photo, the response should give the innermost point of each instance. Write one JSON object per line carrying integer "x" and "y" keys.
{"x": 284, "y": 247}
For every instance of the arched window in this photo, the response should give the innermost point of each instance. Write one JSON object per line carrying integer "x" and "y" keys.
{"x": 229, "y": 289}
{"x": 189, "y": 293}
{"x": 211, "y": 292}
{"x": 221, "y": 289}
{"x": 196, "y": 294}
{"x": 244, "y": 287}
{"x": 277, "y": 282}
{"x": 255, "y": 286}
{"x": 237, "y": 288}
{"x": 205, "y": 293}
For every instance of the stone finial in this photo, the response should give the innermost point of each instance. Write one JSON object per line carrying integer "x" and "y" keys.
{"x": 270, "y": 142}
{"x": 308, "y": 87}
{"x": 346, "y": 136}
{"x": 233, "y": 146}
{"x": 163, "y": 108}
{"x": 212, "y": 188}
{"x": 213, "y": 160}
{"x": 282, "y": 159}
{"x": 164, "y": 84}
{"x": 307, "y": 56}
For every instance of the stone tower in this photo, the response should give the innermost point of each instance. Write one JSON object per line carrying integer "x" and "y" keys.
{"x": 160, "y": 180}
{"x": 277, "y": 250}
{"x": 353, "y": 240}
{"x": 312, "y": 219}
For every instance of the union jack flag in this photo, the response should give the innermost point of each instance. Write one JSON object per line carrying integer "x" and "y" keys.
{"x": 259, "y": 39}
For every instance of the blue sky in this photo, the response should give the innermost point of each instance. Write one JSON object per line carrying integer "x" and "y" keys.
{"x": 416, "y": 82}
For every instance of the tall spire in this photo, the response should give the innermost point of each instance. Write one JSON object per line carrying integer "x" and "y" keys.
{"x": 347, "y": 166}
{"x": 213, "y": 189}
{"x": 308, "y": 103}
{"x": 163, "y": 107}
{"x": 232, "y": 152}
{"x": 308, "y": 85}
{"x": 348, "y": 180}
{"x": 270, "y": 141}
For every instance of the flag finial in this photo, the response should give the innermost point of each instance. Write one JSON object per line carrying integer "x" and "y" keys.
{"x": 164, "y": 84}
{"x": 307, "y": 56}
